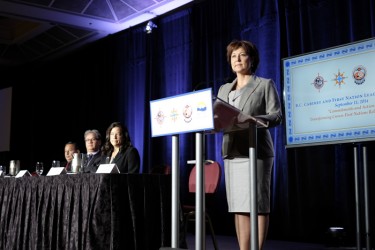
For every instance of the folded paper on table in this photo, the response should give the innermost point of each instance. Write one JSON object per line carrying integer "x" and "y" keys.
{"x": 108, "y": 169}
{"x": 23, "y": 173}
{"x": 56, "y": 171}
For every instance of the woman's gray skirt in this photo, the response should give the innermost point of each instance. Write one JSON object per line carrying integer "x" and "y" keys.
{"x": 237, "y": 184}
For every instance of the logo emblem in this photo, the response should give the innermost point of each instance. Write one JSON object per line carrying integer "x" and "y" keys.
{"x": 339, "y": 78}
{"x": 359, "y": 74}
{"x": 318, "y": 82}
{"x": 187, "y": 113}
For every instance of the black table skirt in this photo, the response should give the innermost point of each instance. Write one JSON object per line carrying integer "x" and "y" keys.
{"x": 86, "y": 211}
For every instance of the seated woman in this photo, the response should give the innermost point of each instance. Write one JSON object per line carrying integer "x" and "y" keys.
{"x": 118, "y": 149}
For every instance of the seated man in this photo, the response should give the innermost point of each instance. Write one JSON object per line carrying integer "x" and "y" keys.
{"x": 93, "y": 142}
{"x": 69, "y": 150}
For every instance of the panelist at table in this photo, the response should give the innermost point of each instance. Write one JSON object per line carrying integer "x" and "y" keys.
{"x": 118, "y": 149}
{"x": 93, "y": 142}
{"x": 70, "y": 148}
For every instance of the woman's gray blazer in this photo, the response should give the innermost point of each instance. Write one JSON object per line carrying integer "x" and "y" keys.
{"x": 259, "y": 99}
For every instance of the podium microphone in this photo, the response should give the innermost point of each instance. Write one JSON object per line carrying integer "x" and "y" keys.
{"x": 210, "y": 84}
{"x": 203, "y": 85}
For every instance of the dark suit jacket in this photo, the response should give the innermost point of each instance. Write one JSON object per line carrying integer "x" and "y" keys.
{"x": 65, "y": 164}
{"x": 92, "y": 165}
{"x": 127, "y": 160}
{"x": 259, "y": 99}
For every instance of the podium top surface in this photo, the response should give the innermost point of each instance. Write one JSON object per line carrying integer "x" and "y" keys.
{"x": 228, "y": 118}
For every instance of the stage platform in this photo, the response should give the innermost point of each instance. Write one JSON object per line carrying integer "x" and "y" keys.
{"x": 230, "y": 243}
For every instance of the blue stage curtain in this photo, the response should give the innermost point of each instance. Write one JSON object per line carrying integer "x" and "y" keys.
{"x": 187, "y": 51}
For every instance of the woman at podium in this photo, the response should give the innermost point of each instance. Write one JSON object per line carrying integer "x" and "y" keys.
{"x": 257, "y": 97}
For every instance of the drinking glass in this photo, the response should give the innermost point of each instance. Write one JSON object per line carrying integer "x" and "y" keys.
{"x": 107, "y": 160}
{"x": 55, "y": 164}
{"x": 84, "y": 162}
{"x": 2, "y": 168}
{"x": 39, "y": 168}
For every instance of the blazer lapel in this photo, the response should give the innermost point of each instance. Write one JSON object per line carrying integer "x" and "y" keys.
{"x": 251, "y": 86}
{"x": 227, "y": 89}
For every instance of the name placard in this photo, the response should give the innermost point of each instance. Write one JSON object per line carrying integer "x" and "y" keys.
{"x": 23, "y": 173}
{"x": 184, "y": 113}
{"x": 56, "y": 171}
{"x": 108, "y": 169}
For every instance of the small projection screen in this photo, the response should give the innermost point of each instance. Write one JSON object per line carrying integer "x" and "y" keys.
{"x": 329, "y": 95}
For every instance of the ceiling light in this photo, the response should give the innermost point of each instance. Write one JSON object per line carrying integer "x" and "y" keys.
{"x": 149, "y": 27}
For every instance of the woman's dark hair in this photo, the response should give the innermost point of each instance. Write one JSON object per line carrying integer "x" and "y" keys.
{"x": 126, "y": 142}
{"x": 250, "y": 49}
